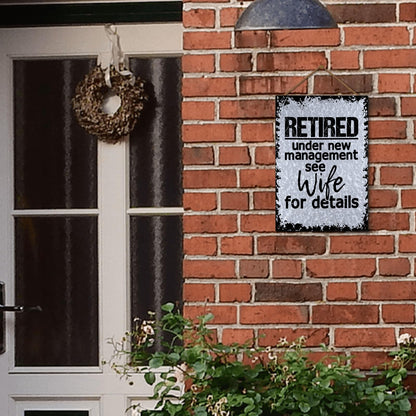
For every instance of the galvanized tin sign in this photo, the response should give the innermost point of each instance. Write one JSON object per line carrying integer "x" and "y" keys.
{"x": 321, "y": 163}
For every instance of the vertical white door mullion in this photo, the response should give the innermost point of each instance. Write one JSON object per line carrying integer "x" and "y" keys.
{"x": 6, "y": 205}
{"x": 113, "y": 243}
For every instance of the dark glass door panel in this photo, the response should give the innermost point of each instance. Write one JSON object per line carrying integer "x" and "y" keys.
{"x": 54, "y": 158}
{"x": 156, "y": 263}
{"x": 155, "y": 143}
{"x": 57, "y": 268}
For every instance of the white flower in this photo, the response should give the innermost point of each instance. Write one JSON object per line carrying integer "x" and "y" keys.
{"x": 148, "y": 330}
{"x": 404, "y": 339}
{"x": 180, "y": 373}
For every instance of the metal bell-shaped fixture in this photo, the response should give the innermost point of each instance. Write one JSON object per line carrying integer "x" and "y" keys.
{"x": 285, "y": 14}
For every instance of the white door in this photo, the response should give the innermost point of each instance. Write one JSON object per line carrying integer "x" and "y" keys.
{"x": 88, "y": 230}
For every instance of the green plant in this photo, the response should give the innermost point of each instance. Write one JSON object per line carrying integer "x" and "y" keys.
{"x": 196, "y": 375}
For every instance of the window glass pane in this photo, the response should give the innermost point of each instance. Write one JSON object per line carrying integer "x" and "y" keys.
{"x": 156, "y": 263}
{"x": 56, "y": 268}
{"x": 55, "y": 159}
{"x": 155, "y": 143}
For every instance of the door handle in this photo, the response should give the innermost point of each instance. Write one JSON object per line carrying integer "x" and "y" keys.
{"x": 4, "y": 308}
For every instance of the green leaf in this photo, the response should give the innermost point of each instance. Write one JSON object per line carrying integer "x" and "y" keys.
{"x": 200, "y": 411}
{"x": 150, "y": 378}
{"x": 404, "y": 404}
{"x": 155, "y": 362}
{"x": 304, "y": 407}
{"x": 397, "y": 379}
{"x": 379, "y": 397}
{"x": 168, "y": 307}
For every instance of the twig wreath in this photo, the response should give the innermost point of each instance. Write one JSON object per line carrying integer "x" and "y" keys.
{"x": 89, "y": 98}
{"x": 91, "y": 92}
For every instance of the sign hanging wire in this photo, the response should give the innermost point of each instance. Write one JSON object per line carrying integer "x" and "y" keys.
{"x": 321, "y": 68}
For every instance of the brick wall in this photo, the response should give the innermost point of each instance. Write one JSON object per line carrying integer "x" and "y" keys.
{"x": 353, "y": 291}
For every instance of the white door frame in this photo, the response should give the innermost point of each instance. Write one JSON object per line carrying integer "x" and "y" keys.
{"x": 98, "y": 388}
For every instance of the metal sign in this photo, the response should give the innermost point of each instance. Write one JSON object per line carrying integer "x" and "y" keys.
{"x": 321, "y": 163}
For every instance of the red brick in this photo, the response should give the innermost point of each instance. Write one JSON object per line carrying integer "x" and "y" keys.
{"x": 365, "y": 337}
{"x": 257, "y": 132}
{"x": 265, "y": 155}
{"x": 235, "y": 201}
{"x": 398, "y": 266}
{"x": 407, "y": 243}
{"x": 290, "y": 61}
{"x": 288, "y": 292}
{"x": 215, "y": 132}
{"x": 214, "y": 178}
{"x": 391, "y": 58}
{"x": 264, "y": 200}
{"x": 234, "y": 155}
{"x": 345, "y": 59}
{"x": 389, "y": 290}
{"x": 362, "y": 244}
{"x": 370, "y": 35}
{"x": 251, "y": 39}
{"x": 198, "y": 110}
{"x": 257, "y": 178}
{"x": 396, "y": 175}
{"x": 305, "y": 37}
{"x": 287, "y": 269}
{"x": 198, "y": 63}
{"x": 210, "y": 223}
{"x": 222, "y": 314}
{"x": 351, "y": 267}
{"x": 387, "y": 129}
{"x": 230, "y": 15}
{"x": 206, "y": 40}
{"x": 408, "y": 106}
{"x": 203, "y": 246}
{"x": 326, "y": 84}
{"x": 381, "y": 106}
{"x": 208, "y": 87}
{"x": 199, "y": 201}
{"x": 273, "y": 314}
{"x": 237, "y": 245}
{"x": 366, "y": 360}
{"x": 314, "y": 336}
{"x": 235, "y": 292}
{"x": 247, "y": 109}
{"x": 392, "y": 153}
{"x": 198, "y": 156}
{"x": 340, "y": 291}
{"x": 198, "y": 292}
{"x": 388, "y": 221}
{"x": 393, "y": 83}
{"x": 254, "y": 268}
{"x": 345, "y": 314}
{"x": 383, "y": 198}
{"x": 407, "y": 12}
{"x": 238, "y": 62}
{"x": 240, "y": 336}
{"x": 371, "y": 175}
{"x": 398, "y": 314}
{"x": 257, "y": 223}
{"x": 217, "y": 269}
{"x": 291, "y": 245}
{"x": 408, "y": 198}
{"x": 271, "y": 85}
{"x": 200, "y": 18}
{"x": 363, "y": 13}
